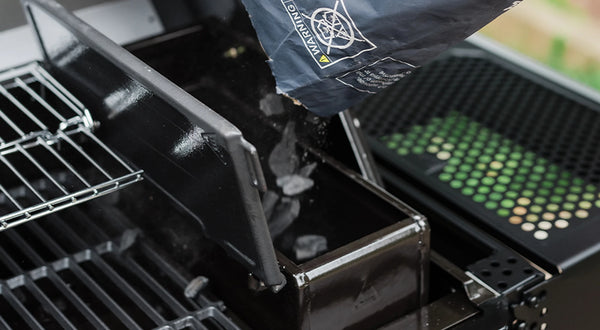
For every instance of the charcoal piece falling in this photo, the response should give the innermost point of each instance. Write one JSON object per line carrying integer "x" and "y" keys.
{"x": 284, "y": 215}
{"x": 128, "y": 239}
{"x": 307, "y": 170}
{"x": 294, "y": 184}
{"x": 309, "y": 246}
{"x": 283, "y": 160}
{"x": 195, "y": 286}
{"x": 271, "y": 104}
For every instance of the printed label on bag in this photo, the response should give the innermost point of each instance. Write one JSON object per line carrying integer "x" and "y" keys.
{"x": 377, "y": 76}
{"x": 329, "y": 34}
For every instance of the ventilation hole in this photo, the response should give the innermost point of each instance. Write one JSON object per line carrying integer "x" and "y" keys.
{"x": 528, "y": 271}
{"x": 502, "y": 285}
{"x": 511, "y": 260}
{"x": 495, "y": 264}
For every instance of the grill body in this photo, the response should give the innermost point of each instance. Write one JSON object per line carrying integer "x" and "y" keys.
{"x": 98, "y": 265}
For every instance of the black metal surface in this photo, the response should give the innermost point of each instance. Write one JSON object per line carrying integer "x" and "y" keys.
{"x": 177, "y": 14}
{"x": 150, "y": 120}
{"x": 351, "y": 214}
{"x": 185, "y": 148}
{"x": 90, "y": 268}
{"x": 446, "y": 312}
{"x": 354, "y": 290}
{"x": 567, "y": 301}
{"x": 555, "y": 129}
{"x": 489, "y": 259}
{"x": 377, "y": 271}
{"x": 223, "y": 65}
{"x": 362, "y": 287}
{"x": 504, "y": 271}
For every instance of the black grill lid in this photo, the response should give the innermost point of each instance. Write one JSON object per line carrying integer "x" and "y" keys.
{"x": 196, "y": 156}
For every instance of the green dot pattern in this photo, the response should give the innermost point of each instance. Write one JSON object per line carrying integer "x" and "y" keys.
{"x": 496, "y": 172}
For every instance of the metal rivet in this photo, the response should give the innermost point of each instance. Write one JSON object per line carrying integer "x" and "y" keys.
{"x": 533, "y": 301}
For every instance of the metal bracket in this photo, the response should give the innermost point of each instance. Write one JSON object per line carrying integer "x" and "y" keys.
{"x": 257, "y": 285}
{"x": 529, "y": 313}
{"x": 477, "y": 291}
{"x": 360, "y": 148}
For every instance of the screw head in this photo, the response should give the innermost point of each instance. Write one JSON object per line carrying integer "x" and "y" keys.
{"x": 533, "y": 301}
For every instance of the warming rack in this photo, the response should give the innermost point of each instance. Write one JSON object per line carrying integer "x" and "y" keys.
{"x": 48, "y": 150}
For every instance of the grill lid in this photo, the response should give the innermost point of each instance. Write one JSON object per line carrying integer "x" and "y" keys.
{"x": 200, "y": 159}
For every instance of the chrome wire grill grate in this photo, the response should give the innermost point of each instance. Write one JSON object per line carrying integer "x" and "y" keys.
{"x": 67, "y": 272}
{"x": 46, "y": 140}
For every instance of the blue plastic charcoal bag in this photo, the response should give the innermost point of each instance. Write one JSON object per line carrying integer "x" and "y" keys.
{"x": 330, "y": 54}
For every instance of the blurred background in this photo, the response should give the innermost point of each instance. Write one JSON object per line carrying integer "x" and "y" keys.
{"x": 563, "y": 34}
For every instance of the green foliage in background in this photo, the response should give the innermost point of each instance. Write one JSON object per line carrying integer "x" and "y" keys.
{"x": 565, "y": 5}
{"x": 589, "y": 75}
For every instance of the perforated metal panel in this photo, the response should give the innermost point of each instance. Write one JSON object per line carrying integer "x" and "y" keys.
{"x": 537, "y": 118}
{"x": 522, "y": 157}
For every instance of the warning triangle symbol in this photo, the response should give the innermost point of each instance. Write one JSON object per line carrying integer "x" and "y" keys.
{"x": 324, "y": 59}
